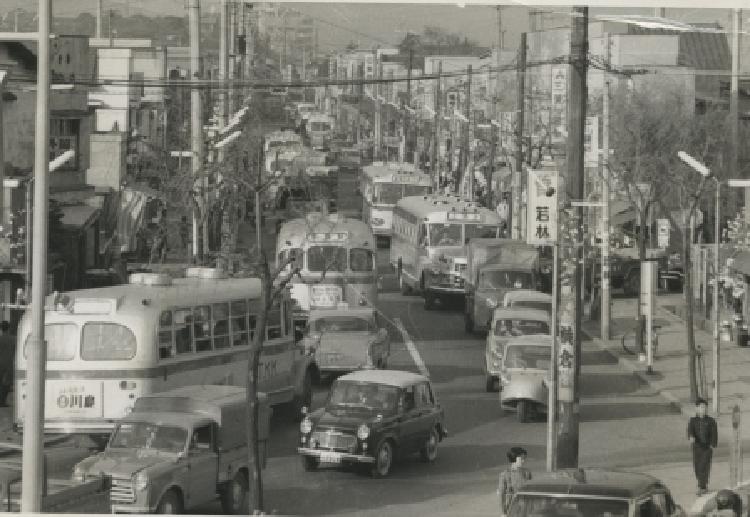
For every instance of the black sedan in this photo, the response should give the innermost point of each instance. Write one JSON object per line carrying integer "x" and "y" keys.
{"x": 370, "y": 417}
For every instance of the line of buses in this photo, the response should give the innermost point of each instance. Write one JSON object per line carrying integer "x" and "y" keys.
{"x": 107, "y": 346}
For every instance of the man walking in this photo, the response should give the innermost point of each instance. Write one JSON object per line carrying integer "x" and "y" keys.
{"x": 703, "y": 434}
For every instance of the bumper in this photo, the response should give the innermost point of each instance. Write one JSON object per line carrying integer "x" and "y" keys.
{"x": 445, "y": 291}
{"x": 343, "y": 368}
{"x": 131, "y": 508}
{"x": 337, "y": 457}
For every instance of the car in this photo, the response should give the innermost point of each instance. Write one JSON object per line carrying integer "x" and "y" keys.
{"x": 347, "y": 339}
{"x": 592, "y": 491}
{"x": 370, "y": 418}
{"x": 505, "y": 324}
{"x": 523, "y": 375}
{"x": 528, "y": 298}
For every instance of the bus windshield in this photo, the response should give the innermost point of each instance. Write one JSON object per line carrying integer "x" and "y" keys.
{"x": 445, "y": 234}
{"x": 416, "y": 190}
{"x": 326, "y": 258}
{"x": 388, "y": 193}
{"x": 141, "y": 435}
{"x": 505, "y": 280}
{"x": 480, "y": 231}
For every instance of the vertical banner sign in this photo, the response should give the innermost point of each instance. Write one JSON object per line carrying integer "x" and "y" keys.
{"x": 591, "y": 142}
{"x": 663, "y": 233}
{"x": 566, "y": 313}
{"x": 542, "y": 208}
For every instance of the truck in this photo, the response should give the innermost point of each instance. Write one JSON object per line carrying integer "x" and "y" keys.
{"x": 494, "y": 267}
{"x": 180, "y": 449}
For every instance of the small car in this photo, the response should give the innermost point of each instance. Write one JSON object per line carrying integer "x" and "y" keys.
{"x": 528, "y": 298}
{"x": 505, "y": 324}
{"x": 589, "y": 491}
{"x": 523, "y": 375}
{"x": 370, "y": 417}
{"x": 347, "y": 339}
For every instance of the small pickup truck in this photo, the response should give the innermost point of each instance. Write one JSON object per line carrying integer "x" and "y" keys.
{"x": 180, "y": 449}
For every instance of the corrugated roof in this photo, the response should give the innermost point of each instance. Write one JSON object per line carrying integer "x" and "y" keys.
{"x": 699, "y": 50}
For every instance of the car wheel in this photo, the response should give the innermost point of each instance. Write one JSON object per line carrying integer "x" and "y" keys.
{"x": 310, "y": 463}
{"x": 234, "y": 499}
{"x": 522, "y": 411}
{"x": 468, "y": 323}
{"x": 429, "y": 451}
{"x": 304, "y": 399}
{"x": 490, "y": 384}
{"x": 383, "y": 460}
{"x": 170, "y": 503}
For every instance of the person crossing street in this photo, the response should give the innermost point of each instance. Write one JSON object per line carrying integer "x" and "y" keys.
{"x": 703, "y": 435}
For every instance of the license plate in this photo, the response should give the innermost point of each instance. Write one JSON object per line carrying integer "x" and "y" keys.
{"x": 330, "y": 457}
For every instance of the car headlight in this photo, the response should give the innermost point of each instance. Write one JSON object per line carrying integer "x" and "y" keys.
{"x": 363, "y": 432}
{"x": 305, "y": 426}
{"x": 141, "y": 481}
{"x": 79, "y": 475}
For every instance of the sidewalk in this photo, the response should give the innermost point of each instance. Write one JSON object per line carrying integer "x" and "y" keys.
{"x": 670, "y": 380}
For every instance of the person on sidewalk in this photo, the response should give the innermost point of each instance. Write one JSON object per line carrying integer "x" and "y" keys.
{"x": 703, "y": 435}
{"x": 512, "y": 477}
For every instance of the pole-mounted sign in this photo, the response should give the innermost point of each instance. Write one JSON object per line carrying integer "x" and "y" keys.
{"x": 542, "y": 208}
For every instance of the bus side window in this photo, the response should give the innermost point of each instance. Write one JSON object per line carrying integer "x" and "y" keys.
{"x": 202, "y": 328}
{"x": 252, "y": 322}
{"x": 166, "y": 337}
{"x": 183, "y": 339}
{"x": 273, "y": 327}
{"x": 422, "y": 235}
{"x": 220, "y": 313}
{"x": 238, "y": 310}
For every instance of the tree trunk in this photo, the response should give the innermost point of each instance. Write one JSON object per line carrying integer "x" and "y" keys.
{"x": 255, "y": 479}
{"x": 688, "y": 292}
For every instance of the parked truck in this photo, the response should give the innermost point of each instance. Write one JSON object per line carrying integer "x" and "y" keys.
{"x": 180, "y": 449}
{"x": 494, "y": 267}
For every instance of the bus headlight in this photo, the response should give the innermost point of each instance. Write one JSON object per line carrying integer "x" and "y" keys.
{"x": 363, "y": 432}
{"x": 141, "y": 481}
{"x": 305, "y": 426}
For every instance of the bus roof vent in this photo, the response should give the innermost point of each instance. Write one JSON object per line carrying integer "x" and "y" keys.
{"x": 152, "y": 279}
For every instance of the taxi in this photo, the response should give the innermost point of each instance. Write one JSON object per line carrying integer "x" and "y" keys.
{"x": 590, "y": 491}
{"x": 370, "y": 417}
{"x": 528, "y": 298}
{"x": 505, "y": 324}
{"x": 524, "y": 375}
{"x": 345, "y": 339}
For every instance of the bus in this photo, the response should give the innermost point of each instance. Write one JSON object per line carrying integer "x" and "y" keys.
{"x": 427, "y": 246}
{"x": 382, "y": 185}
{"x": 319, "y": 130}
{"x": 336, "y": 258}
{"x": 108, "y": 346}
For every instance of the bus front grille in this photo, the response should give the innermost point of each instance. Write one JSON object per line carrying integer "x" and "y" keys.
{"x": 122, "y": 491}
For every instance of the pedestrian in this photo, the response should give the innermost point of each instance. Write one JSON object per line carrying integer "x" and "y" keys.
{"x": 512, "y": 477}
{"x": 703, "y": 436}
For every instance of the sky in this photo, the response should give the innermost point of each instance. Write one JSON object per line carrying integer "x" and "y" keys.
{"x": 385, "y": 24}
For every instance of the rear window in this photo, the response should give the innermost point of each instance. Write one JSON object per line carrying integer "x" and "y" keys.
{"x": 62, "y": 341}
{"x": 520, "y": 327}
{"x": 107, "y": 342}
{"x": 528, "y": 505}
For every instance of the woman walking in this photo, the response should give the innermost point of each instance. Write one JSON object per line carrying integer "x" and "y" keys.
{"x": 512, "y": 477}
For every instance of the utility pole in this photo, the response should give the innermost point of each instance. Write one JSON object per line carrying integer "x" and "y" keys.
{"x": 32, "y": 470}
{"x": 407, "y": 125}
{"x": 570, "y": 324}
{"x": 196, "y": 122}
{"x": 469, "y": 136}
{"x": 231, "y": 59}
{"x": 518, "y": 169}
{"x": 99, "y": 9}
{"x": 223, "y": 62}
{"x": 109, "y": 26}
{"x": 734, "y": 101}
{"x": 15, "y": 20}
{"x": 606, "y": 292}
{"x": 435, "y": 155}
{"x": 378, "y": 114}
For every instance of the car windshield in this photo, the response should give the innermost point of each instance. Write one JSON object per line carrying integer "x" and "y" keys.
{"x": 141, "y": 435}
{"x": 504, "y": 280}
{"x": 520, "y": 327}
{"x": 364, "y": 394}
{"x": 388, "y": 193}
{"x": 527, "y": 356}
{"x": 527, "y": 505}
{"x": 445, "y": 235}
{"x": 340, "y": 324}
{"x": 534, "y": 304}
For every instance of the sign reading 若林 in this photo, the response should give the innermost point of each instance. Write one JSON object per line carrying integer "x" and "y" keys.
{"x": 542, "y": 207}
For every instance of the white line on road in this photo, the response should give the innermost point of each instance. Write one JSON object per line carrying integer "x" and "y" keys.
{"x": 411, "y": 348}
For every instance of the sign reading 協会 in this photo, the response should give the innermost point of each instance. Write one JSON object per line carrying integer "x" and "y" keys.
{"x": 542, "y": 208}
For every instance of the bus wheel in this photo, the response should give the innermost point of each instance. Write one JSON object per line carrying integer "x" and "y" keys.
{"x": 170, "y": 503}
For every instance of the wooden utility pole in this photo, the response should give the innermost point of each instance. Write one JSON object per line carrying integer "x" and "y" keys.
{"x": 435, "y": 156}
{"x": 569, "y": 359}
{"x": 407, "y": 114}
{"x": 223, "y": 62}
{"x": 196, "y": 121}
{"x": 515, "y": 208}
{"x": 231, "y": 42}
{"x": 605, "y": 287}
{"x": 99, "y": 9}
{"x": 32, "y": 466}
{"x": 469, "y": 136}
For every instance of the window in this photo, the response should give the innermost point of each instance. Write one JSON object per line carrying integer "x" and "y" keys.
{"x": 326, "y": 258}
{"x": 63, "y": 136}
{"x": 341, "y": 324}
{"x": 388, "y": 193}
{"x": 361, "y": 260}
{"x": 183, "y": 319}
{"x": 166, "y": 337}
{"x": 415, "y": 190}
{"x": 273, "y": 326}
{"x": 107, "y": 342}
{"x": 410, "y": 398}
{"x": 505, "y": 280}
{"x": 239, "y": 323}
{"x": 445, "y": 235}
{"x": 220, "y": 312}
{"x": 62, "y": 341}
{"x": 423, "y": 395}
{"x": 201, "y": 440}
{"x": 480, "y": 231}
{"x": 202, "y": 328}
{"x": 422, "y": 235}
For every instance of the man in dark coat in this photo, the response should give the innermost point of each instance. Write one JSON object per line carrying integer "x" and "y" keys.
{"x": 703, "y": 434}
